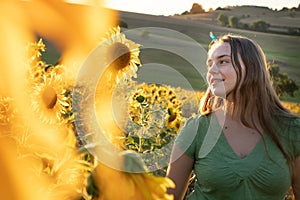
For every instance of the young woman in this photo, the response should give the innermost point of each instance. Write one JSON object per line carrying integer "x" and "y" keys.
{"x": 245, "y": 144}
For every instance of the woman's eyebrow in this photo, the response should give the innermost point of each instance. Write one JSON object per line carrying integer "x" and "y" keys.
{"x": 224, "y": 55}
{"x": 218, "y": 57}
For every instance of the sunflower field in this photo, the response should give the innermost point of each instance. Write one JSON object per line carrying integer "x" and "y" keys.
{"x": 152, "y": 119}
{"x": 64, "y": 137}
{"x": 46, "y": 149}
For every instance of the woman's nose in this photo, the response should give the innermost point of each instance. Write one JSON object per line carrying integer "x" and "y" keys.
{"x": 213, "y": 68}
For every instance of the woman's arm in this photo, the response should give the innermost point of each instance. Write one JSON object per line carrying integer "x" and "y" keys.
{"x": 296, "y": 178}
{"x": 179, "y": 170}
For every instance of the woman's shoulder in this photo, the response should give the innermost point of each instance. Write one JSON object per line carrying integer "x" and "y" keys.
{"x": 289, "y": 124}
{"x": 296, "y": 122}
{"x": 192, "y": 127}
{"x": 289, "y": 135}
{"x": 294, "y": 128}
{"x": 197, "y": 121}
{"x": 191, "y": 134}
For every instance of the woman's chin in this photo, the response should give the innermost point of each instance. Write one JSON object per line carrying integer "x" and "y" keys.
{"x": 219, "y": 94}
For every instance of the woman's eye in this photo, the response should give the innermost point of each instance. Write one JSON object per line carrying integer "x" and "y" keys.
{"x": 224, "y": 61}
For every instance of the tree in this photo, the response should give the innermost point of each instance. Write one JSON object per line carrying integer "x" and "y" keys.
{"x": 259, "y": 25}
{"x": 293, "y": 31}
{"x": 123, "y": 24}
{"x": 233, "y": 21}
{"x": 284, "y": 9}
{"x": 244, "y": 25}
{"x": 222, "y": 19}
{"x": 281, "y": 82}
{"x": 197, "y": 8}
{"x": 185, "y": 13}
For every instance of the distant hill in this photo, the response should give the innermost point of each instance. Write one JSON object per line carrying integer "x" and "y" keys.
{"x": 279, "y": 21}
{"x": 279, "y": 48}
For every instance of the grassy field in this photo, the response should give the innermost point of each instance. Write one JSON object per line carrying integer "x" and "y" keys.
{"x": 282, "y": 49}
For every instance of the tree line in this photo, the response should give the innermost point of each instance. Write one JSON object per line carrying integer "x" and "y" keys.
{"x": 255, "y": 25}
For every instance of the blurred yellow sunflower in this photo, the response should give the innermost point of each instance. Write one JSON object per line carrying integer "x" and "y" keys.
{"x": 62, "y": 172}
{"x": 142, "y": 186}
{"x": 8, "y": 116}
{"x": 7, "y": 111}
{"x": 34, "y": 50}
{"x": 48, "y": 100}
{"x": 39, "y": 68}
{"x": 68, "y": 174}
{"x": 122, "y": 54}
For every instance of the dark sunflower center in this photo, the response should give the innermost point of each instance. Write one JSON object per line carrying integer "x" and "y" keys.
{"x": 140, "y": 99}
{"x": 172, "y": 115}
{"x": 49, "y": 97}
{"x": 119, "y": 55}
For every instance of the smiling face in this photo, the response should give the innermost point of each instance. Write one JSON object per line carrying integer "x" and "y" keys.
{"x": 221, "y": 75}
{"x": 237, "y": 70}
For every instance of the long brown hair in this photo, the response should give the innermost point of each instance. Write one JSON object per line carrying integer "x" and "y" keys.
{"x": 254, "y": 95}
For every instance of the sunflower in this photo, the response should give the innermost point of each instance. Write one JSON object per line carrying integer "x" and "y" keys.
{"x": 150, "y": 102}
{"x": 48, "y": 99}
{"x": 121, "y": 54}
{"x": 7, "y": 112}
{"x": 155, "y": 114}
{"x": 39, "y": 68}
{"x": 131, "y": 185}
{"x": 59, "y": 173}
{"x": 51, "y": 94}
{"x": 8, "y": 116}
{"x": 68, "y": 174}
{"x": 34, "y": 50}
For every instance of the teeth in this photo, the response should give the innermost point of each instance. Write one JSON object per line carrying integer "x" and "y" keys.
{"x": 217, "y": 81}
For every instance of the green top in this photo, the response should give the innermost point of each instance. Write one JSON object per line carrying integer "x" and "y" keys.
{"x": 221, "y": 174}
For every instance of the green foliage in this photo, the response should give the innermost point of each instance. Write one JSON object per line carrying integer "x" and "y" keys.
{"x": 155, "y": 114}
{"x": 244, "y": 25}
{"x": 197, "y": 8}
{"x": 281, "y": 81}
{"x": 123, "y": 24}
{"x": 233, "y": 22}
{"x": 150, "y": 141}
{"x": 293, "y": 31}
{"x": 92, "y": 189}
{"x": 222, "y": 19}
{"x": 292, "y": 13}
{"x": 298, "y": 8}
{"x": 220, "y": 8}
{"x": 185, "y": 13}
{"x": 284, "y": 9}
{"x": 259, "y": 25}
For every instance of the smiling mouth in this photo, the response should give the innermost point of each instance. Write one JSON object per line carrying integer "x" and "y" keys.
{"x": 217, "y": 81}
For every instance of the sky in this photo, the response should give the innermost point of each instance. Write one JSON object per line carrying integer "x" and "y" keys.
{"x": 171, "y": 7}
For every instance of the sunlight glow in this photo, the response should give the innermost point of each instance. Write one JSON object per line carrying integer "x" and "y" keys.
{"x": 171, "y": 7}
